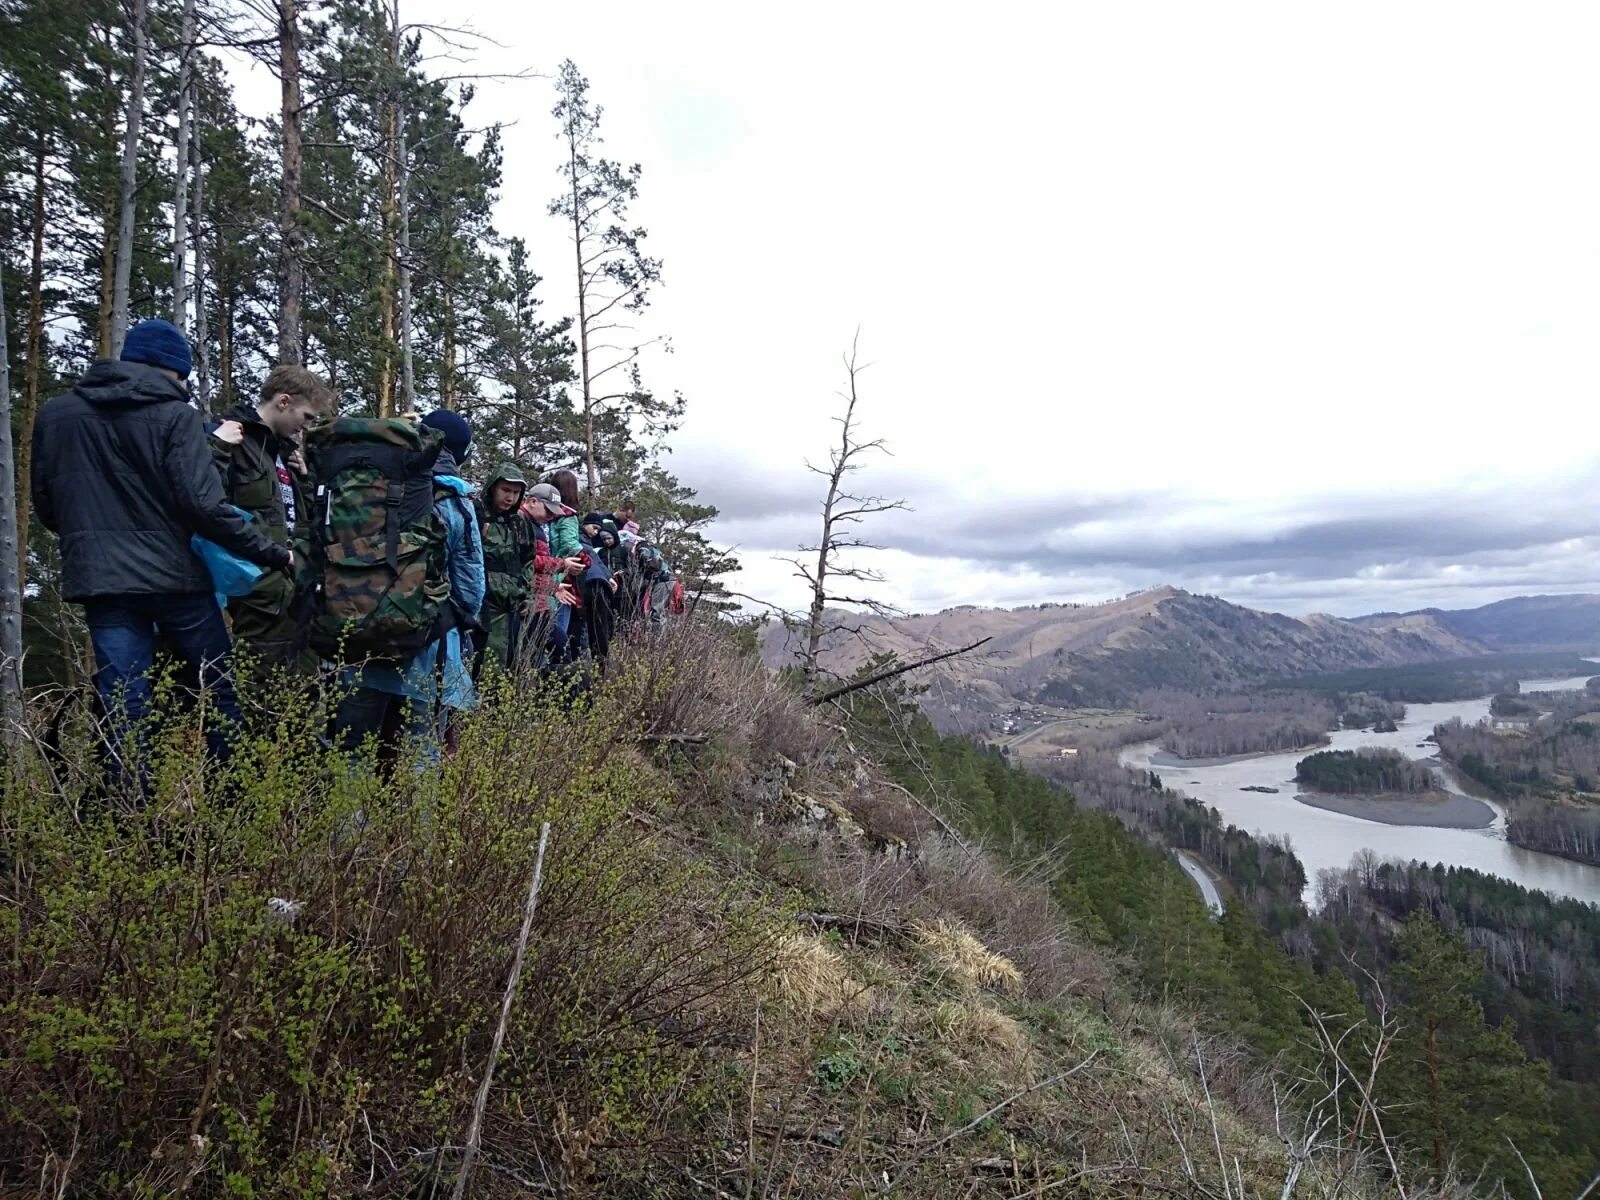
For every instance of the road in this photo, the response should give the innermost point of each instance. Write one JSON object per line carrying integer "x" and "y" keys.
{"x": 1195, "y": 870}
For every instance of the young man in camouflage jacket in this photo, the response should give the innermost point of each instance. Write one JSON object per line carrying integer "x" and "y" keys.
{"x": 510, "y": 545}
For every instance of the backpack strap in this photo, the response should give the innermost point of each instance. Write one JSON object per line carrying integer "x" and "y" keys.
{"x": 391, "y": 522}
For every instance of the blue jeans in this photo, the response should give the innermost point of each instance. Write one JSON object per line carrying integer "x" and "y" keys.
{"x": 365, "y": 712}
{"x": 124, "y": 632}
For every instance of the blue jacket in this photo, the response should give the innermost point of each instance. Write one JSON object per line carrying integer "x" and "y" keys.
{"x": 463, "y": 559}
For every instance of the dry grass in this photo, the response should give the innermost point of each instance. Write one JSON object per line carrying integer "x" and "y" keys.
{"x": 811, "y": 978}
{"x": 975, "y": 1027}
{"x": 965, "y": 957}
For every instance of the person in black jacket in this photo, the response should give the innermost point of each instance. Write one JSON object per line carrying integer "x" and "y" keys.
{"x": 122, "y": 473}
{"x": 256, "y": 449}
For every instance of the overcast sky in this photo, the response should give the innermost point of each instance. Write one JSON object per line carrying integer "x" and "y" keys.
{"x": 1296, "y": 304}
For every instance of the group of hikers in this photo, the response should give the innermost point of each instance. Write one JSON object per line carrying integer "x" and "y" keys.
{"x": 320, "y": 546}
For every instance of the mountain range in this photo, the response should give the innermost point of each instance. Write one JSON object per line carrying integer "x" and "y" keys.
{"x": 1105, "y": 654}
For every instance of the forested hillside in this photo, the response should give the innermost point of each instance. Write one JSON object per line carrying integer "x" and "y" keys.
{"x": 1489, "y": 974}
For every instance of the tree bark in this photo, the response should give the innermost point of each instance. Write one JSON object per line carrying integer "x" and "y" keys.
{"x": 583, "y": 316}
{"x": 34, "y": 361}
{"x": 408, "y": 375}
{"x": 180, "y": 199}
{"x": 1434, "y": 1087}
{"x": 202, "y": 356}
{"x": 447, "y": 369}
{"x": 386, "y": 294}
{"x": 815, "y": 627}
{"x": 10, "y": 577}
{"x": 402, "y": 170}
{"x": 292, "y": 238}
{"x": 108, "y": 226}
{"x": 225, "y": 325}
{"x": 130, "y": 173}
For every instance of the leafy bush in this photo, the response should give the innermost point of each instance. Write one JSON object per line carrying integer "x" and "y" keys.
{"x": 281, "y": 978}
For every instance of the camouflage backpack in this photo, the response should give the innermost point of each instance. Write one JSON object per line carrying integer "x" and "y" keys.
{"x": 379, "y": 589}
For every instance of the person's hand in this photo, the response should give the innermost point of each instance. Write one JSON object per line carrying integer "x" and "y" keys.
{"x": 613, "y": 582}
{"x": 565, "y": 594}
{"x": 229, "y": 433}
{"x": 290, "y": 565}
{"x": 295, "y": 460}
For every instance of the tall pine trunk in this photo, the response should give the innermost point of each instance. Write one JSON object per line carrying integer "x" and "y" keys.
{"x": 10, "y": 576}
{"x": 447, "y": 369}
{"x": 292, "y": 238}
{"x": 202, "y": 359}
{"x": 583, "y": 320}
{"x": 180, "y": 198}
{"x": 386, "y": 295}
{"x": 33, "y": 363}
{"x": 225, "y": 326}
{"x": 408, "y": 371}
{"x": 129, "y": 181}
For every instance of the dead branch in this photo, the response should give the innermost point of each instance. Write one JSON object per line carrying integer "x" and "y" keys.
{"x": 890, "y": 674}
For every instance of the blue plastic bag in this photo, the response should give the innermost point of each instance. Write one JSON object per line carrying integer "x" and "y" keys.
{"x": 230, "y": 574}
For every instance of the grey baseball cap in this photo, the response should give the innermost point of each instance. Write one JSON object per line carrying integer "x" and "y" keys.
{"x": 547, "y": 495}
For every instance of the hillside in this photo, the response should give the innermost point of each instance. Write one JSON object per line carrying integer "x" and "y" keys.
{"x": 757, "y": 967}
{"x": 1106, "y": 654}
{"x": 1522, "y": 623}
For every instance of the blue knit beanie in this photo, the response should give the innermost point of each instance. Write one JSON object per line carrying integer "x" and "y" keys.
{"x": 158, "y": 344}
{"x": 457, "y": 433}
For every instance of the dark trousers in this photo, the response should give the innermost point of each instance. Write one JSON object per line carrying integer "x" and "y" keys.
{"x": 124, "y": 631}
{"x": 392, "y": 720}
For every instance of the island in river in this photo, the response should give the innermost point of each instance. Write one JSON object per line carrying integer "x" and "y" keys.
{"x": 1435, "y": 809}
{"x": 1378, "y": 783}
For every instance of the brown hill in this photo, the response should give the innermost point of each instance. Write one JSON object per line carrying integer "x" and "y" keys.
{"x": 1105, "y": 654}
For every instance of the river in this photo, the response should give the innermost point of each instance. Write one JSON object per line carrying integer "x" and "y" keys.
{"x": 1323, "y": 839}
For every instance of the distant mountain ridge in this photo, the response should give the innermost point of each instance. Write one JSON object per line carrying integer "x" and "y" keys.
{"x": 1564, "y": 622}
{"x": 1106, "y": 654}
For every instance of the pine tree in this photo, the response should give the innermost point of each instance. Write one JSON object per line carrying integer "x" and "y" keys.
{"x": 613, "y": 276}
{"x": 1456, "y": 1090}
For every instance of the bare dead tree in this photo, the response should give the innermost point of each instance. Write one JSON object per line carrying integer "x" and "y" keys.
{"x": 843, "y": 512}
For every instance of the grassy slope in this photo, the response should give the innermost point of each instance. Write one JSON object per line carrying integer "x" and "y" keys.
{"x": 758, "y": 969}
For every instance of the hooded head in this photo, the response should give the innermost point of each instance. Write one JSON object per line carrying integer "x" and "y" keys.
{"x": 506, "y": 486}
{"x": 158, "y": 344}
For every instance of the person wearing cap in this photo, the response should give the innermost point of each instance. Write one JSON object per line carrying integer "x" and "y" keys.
{"x": 510, "y": 545}
{"x": 123, "y": 475}
{"x": 417, "y": 698}
{"x": 554, "y": 596}
{"x": 566, "y": 542}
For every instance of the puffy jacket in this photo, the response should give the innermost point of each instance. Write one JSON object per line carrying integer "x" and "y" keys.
{"x": 123, "y": 474}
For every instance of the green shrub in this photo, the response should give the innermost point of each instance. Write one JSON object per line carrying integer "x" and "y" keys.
{"x": 280, "y": 978}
